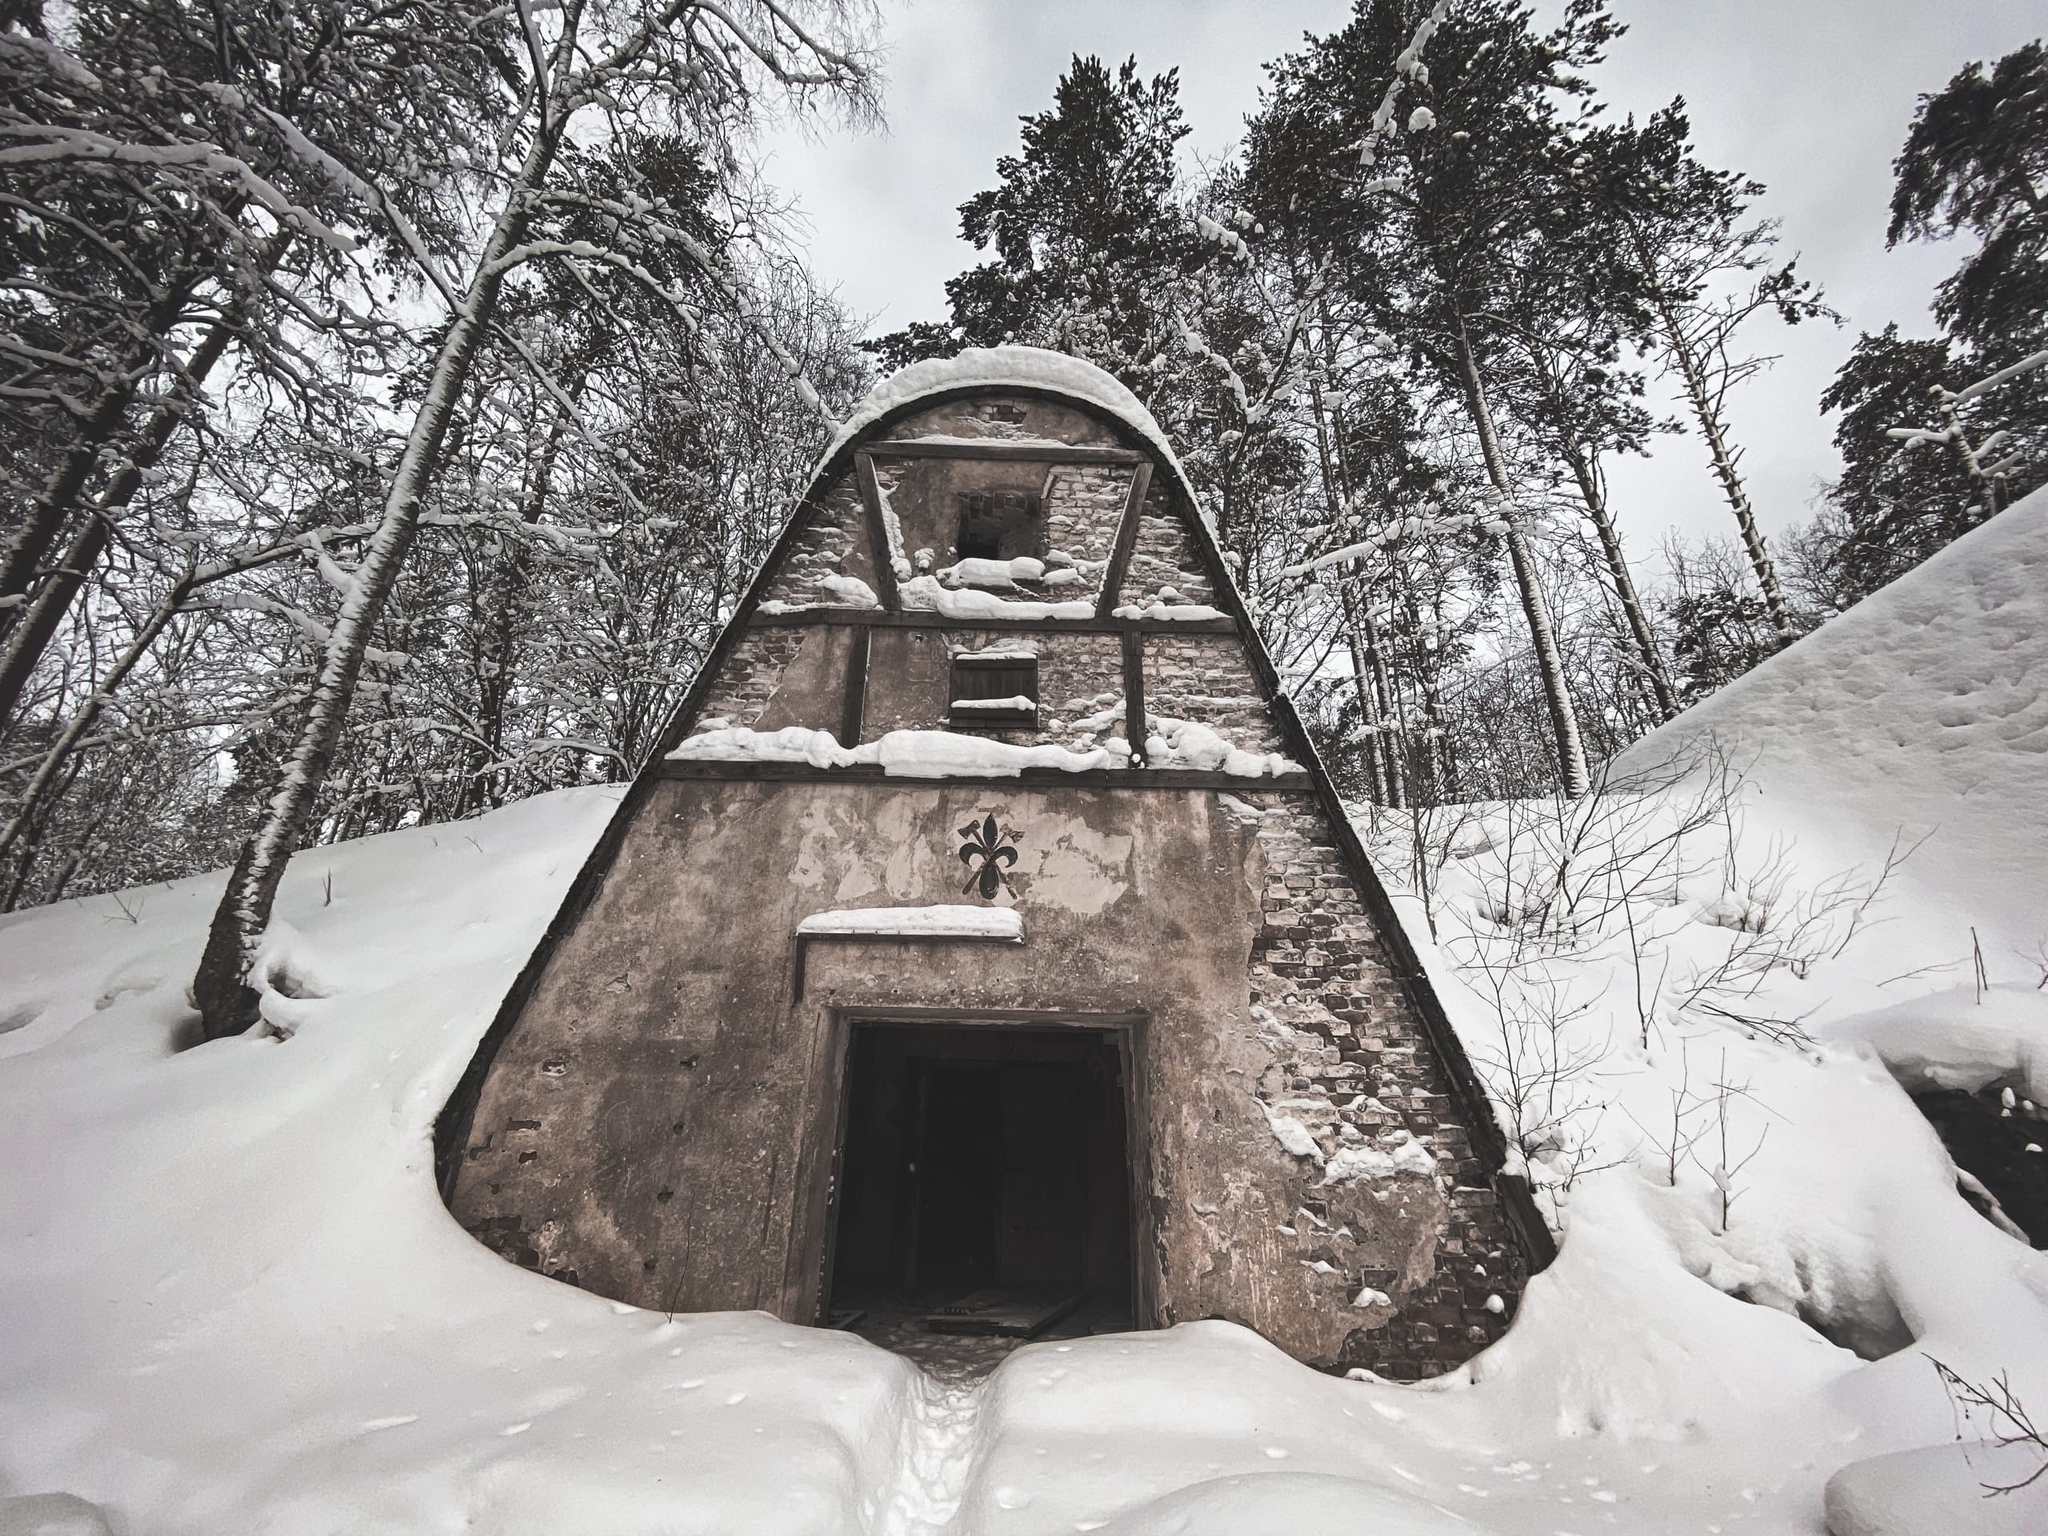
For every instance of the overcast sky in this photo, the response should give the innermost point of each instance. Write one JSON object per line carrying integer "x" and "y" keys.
{"x": 1811, "y": 97}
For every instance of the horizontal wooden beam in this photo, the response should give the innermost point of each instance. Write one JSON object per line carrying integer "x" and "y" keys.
{"x": 1004, "y": 448}
{"x": 1030, "y": 778}
{"x": 925, "y": 619}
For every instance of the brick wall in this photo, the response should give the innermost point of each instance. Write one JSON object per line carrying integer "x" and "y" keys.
{"x": 1345, "y": 1034}
{"x": 1083, "y": 504}
{"x": 1164, "y": 555}
{"x": 1207, "y": 678}
{"x": 832, "y": 541}
{"x": 751, "y": 675}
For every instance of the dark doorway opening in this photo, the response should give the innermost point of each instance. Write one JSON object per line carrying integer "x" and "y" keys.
{"x": 984, "y": 1187}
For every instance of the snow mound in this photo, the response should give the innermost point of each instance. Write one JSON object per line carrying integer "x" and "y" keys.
{"x": 1945, "y": 1489}
{"x": 1960, "y": 1039}
{"x": 52, "y": 1514}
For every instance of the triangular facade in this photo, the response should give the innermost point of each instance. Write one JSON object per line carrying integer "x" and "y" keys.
{"x": 900, "y": 981}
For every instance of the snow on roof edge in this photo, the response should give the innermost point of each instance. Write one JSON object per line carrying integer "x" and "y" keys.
{"x": 1006, "y": 367}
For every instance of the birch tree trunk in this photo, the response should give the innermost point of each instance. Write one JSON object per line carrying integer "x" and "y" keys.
{"x": 1692, "y": 369}
{"x": 1564, "y": 721}
{"x": 227, "y": 1004}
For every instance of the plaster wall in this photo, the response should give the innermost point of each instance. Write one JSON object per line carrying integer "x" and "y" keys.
{"x": 658, "y": 1127}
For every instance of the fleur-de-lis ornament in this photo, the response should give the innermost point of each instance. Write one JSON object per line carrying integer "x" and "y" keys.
{"x": 993, "y": 847}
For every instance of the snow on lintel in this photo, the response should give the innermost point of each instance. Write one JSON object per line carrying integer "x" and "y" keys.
{"x": 945, "y": 921}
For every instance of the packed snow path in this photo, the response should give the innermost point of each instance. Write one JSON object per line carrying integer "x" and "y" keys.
{"x": 933, "y": 1461}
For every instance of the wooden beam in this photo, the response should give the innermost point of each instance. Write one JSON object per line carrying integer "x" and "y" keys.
{"x": 1134, "y": 697}
{"x": 853, "y": 711}
{"x": 1126, "y": 540}
{"x": 878, "y": 532}
{"x": 1010, "y": 449}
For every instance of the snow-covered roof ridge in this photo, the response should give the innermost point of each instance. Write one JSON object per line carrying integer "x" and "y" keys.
{"x": 1054, "y": 373}
{"x": 1000, "y": 368}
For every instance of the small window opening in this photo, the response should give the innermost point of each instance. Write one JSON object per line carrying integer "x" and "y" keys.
{"x": 999, "y": 525}
{"x": 994, "y": 692}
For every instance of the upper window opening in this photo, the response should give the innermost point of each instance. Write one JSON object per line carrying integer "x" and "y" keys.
{"x": 994, "y": 691}
{"x": 999, "y": 525}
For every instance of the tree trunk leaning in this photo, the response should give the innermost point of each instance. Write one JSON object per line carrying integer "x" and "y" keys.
{"x": 1573, "y": 773}
{"x": 1730, "y": 477}
{"x": 227, "y": 1004}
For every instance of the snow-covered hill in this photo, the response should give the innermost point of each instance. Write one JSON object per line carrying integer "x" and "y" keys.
{"x": 230, "y": 1301}
{"x": 1922, "y": 711}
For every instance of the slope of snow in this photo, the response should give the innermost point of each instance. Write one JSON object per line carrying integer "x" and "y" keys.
{"x": 1921, "y": 712}
{"x": 230, "y": 1300}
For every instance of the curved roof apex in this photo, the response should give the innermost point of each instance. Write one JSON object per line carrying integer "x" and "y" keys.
{"x": 1006, "y": 367}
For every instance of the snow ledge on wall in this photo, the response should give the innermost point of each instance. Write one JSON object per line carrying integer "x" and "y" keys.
{"x": 944, "y": 921}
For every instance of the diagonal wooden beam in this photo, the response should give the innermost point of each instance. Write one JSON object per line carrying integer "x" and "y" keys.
{"x": 878, "y": 532}
{"x": 853, "y": 710}
{"x": 1126, "y": 539}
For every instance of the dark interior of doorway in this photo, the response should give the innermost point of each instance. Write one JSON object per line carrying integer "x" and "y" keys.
{"x": 982, "y": 1159}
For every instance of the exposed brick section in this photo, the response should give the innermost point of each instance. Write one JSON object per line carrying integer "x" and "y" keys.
{"x": 1345, "y": 1035}
{"x": 1007, "y": 419}
{"x": 1083, "y": 503}
{"x": 751, "y": 675}
{"x": 831, "y": 542}
{"x": 1164, "y": 556}
{"x": 1206, "y": 678}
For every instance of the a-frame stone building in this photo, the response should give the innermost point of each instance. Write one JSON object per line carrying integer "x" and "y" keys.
{"x": 899, "y": 973}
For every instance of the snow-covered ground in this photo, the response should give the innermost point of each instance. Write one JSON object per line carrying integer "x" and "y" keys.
{"x": 230, "y": 1301}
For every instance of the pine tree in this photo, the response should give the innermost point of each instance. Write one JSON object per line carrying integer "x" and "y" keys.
{"x": 1449, "y": 210}
{"x": 1937, "y": 435}
{"x": 1976, "y": 160}
{"x": 1082, "y": 228}
{"x": 1706, "y": 271}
